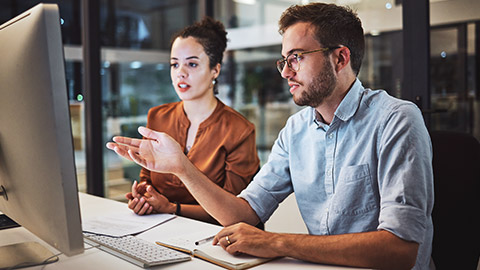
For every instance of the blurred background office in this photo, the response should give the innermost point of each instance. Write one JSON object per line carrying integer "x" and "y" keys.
{"x": 133, "y": 38}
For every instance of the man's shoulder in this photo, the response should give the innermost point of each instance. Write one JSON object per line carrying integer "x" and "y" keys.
{"x": 382, "y": 100}
{"x": 300, "y": 121}
{"x": 384, "y": 110}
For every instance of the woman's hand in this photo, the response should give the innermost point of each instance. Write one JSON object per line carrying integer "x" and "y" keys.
{"x": 159, "y": 202}
{"x": 137, "y": 199}
{"x": 145, "y": 200}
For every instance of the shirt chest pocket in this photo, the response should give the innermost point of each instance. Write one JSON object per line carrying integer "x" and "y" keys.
{"x": 354, "y": 194}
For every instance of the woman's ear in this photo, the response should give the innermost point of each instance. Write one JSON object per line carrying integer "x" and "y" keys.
{"x": 216, "y": 70}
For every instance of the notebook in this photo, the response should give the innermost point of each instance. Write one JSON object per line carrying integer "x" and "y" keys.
{"x": 202, "y": 248}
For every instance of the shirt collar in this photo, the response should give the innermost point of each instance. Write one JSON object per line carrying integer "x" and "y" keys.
{"x": 211, "y": 119}
{"x": 348, "y": 106}
{"x": 350, "y": 103}
{"x": 317, "y": 117}
{"x": 215, "y": 116}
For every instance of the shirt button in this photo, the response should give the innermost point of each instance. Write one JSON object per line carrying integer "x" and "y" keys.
{"x": 330, "y": 136}
{"x": 329, "y": 172}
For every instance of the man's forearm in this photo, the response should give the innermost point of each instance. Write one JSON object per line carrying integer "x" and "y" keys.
{"x": 225, "y": 207}
{"x": 196, "y": 212}
{"x": 378, "y": 250}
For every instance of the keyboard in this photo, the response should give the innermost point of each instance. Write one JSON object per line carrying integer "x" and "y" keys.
{"x": 136, "y": 250}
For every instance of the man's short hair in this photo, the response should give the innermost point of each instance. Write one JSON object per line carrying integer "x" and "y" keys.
{"x": 334, "y": 25}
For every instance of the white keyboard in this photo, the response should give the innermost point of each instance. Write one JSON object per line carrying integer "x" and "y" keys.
{"x": 135, "y": 250}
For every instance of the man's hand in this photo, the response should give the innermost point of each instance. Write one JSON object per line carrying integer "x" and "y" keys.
{"x": 242, "y": 238}
{"x": 157, "y": 152}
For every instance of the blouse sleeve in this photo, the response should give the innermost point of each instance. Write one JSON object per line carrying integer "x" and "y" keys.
{"x": 145, "y": 175}
{"x": 241, "y": 164}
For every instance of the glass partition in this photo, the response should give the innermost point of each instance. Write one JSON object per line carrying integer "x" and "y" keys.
{"x": 453, "y": 95}
{"x": 261, "y": 94}
{"x": 135, "y": 37}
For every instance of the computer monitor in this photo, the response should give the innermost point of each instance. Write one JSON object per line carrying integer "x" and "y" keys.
{"x": 38, "y": 184}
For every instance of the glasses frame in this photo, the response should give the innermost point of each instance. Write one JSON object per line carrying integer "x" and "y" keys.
{"x": 281, "y": 62}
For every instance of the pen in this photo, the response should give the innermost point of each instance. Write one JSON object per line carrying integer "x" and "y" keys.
{"x": 199, "y": 242}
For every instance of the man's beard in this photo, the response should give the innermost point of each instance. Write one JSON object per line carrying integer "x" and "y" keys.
{"x": 321, "y": 87}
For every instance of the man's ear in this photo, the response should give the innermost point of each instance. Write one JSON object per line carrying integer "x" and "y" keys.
{"x": 342, "y": 59}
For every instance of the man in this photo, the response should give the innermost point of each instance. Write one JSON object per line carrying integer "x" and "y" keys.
{"x": 358, "y": 160}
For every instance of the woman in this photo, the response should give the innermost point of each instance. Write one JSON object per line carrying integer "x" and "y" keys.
{"x": 215, "y": 138}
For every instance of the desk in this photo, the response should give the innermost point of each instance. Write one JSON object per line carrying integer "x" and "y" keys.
{"x": 96, "y": 259}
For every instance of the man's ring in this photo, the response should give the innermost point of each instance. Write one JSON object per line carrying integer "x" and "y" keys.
{"x": 228, "y": 240}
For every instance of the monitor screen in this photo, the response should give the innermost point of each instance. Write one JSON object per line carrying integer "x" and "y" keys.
{"x": 38, "y": 184}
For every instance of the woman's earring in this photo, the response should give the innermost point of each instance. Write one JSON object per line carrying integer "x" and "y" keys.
{"x": 214, "y": 81}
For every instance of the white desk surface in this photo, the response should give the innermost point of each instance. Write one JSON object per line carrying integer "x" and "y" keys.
{"x": 96, "y": 259}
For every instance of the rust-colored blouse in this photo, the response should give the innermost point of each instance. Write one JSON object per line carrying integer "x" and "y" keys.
{"x": 224, "y": 149}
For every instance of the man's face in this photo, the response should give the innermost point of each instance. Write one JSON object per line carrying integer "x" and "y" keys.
{"x": 315, "y": 80}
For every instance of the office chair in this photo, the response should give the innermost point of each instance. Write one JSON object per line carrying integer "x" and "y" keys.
{"x": 456, "y": 213}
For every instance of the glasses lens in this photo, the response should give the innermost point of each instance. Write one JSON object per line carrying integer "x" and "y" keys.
{"x": 293, "y": 62}
{"x": 280, "y": 65}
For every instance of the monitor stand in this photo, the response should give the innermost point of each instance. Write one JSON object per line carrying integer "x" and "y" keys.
{"x": 25, "y": 254}
{"x": 6, "y": 222}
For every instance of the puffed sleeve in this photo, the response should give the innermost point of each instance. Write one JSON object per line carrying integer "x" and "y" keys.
{"x": 145, "y": 175}
{"x": 241, "y": 163}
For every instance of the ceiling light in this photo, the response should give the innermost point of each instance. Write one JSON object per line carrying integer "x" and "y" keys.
{"x": 246, "y": 2}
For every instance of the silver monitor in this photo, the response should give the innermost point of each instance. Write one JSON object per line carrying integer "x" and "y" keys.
{"x": 38, "y": 184}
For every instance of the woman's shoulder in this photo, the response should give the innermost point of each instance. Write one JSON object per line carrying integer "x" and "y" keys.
{"x": 164, "y": 108}
{"x": 230, "y": 115}
{"x": 166, "y": 116}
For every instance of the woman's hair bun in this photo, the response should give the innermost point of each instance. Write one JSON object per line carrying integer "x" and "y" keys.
{"x": 211, "y": 34}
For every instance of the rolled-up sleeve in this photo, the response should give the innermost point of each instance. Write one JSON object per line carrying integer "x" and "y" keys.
{"x": 272, "y": 183}
{"x": 405, "y": 175}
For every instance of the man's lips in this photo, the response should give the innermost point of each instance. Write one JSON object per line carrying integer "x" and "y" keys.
{"x": 293, "y": 86}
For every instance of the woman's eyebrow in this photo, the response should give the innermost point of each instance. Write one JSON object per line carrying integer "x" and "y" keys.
{"x": 188, "y": 58}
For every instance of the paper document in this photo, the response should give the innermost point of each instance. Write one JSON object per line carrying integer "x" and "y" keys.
{"x": 124, "y": 223}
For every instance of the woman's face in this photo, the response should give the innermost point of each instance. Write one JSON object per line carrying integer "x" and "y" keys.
{"x": 190, "y": 70}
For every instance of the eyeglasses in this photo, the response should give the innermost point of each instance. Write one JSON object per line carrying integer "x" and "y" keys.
{"x": 293, "y": 59}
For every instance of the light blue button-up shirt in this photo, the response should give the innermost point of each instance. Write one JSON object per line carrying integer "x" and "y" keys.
{"x": 370, "y": 169}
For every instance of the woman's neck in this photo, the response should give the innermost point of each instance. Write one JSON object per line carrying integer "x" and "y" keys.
{"x": 199, "y": 110}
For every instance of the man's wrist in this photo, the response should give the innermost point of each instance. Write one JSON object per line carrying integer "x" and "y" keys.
{"x": 187, "y": 172}
{"x": 279, "y": 244}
